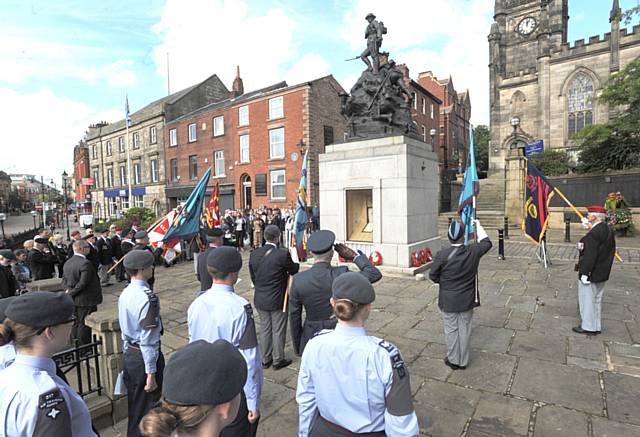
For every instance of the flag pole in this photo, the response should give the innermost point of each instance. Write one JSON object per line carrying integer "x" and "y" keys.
{"x": 126, "y": 123}
{"x": 618, "y": 257}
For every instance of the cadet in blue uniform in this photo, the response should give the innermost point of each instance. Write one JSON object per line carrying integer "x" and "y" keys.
{"x": 201, "y": 392}
{"x": 351, "y": 383}
{"x": 7, "y": 350}
{"x": 219, "y": 313}
{"x": 311, "y": 289}
{"x": 34, "y": 402}
{"x": 139, "y": 317}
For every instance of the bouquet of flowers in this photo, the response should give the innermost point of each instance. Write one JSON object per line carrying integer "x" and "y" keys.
{"x": 618, "y": 213}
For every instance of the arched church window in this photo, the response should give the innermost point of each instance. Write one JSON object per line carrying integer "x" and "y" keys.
{"x": 580, "y": 96}
{"x": 517, "y": 103}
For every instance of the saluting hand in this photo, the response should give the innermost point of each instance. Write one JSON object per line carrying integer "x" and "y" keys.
{"x": 151, "y": 384}
{"x": 253, "y": 416}
{"x": 345, "y": 252}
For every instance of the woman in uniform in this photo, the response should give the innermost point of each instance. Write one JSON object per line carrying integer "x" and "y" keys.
{"x": 351, "y": 383}
{"x": 36, "y": 402}
{"x": 201, "y": 392}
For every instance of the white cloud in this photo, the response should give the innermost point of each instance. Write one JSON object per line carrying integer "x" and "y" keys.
{"x": 44, "y": 128}
{"x": 213, "y": 36}
{"x": 309, "y": 67}
{"x": 459, "y": 27}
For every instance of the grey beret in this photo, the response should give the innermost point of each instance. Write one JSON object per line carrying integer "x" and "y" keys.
{"x": 7, "y": 253}
{"x": 225, "y": 259}
{"x": 140, "y": 234}
{"x": 215, "y": 232}
{"x": 4, "y": 303}
{"x": 353, "y": 286}
{"x": 271, "y": 232}
{"x": 138, "y": 260}
{"x": 203, "y": 373}
{"x": 321, "y": 241}
{"x": 39, "y": 309}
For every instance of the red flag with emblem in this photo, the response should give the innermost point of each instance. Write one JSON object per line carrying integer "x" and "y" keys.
{"x": 212, "y": 211}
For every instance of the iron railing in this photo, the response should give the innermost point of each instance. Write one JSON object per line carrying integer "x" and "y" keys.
{"x": 79, "y": 358}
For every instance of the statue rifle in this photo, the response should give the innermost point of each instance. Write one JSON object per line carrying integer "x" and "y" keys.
{"x": 378, "y": 92}
{"x": 352, "y": 59}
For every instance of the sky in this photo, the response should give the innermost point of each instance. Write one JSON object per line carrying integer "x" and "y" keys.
{"x": 65, "y": 64}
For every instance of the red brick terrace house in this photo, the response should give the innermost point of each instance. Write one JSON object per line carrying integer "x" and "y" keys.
{"x": 255, "y": 143}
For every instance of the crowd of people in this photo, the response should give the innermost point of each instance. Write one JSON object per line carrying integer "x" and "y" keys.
{"x": 349, "y": 383}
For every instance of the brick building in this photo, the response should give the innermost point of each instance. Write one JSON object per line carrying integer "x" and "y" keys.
{"x": 107, "y": 147}
{"x": 82, "y": 182}
{"x": 255, "y": 143}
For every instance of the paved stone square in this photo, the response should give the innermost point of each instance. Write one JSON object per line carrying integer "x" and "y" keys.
{"x": 529, "y": 374}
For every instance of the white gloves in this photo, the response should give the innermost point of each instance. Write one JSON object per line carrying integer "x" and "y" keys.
{"x": 585, "y": 222}
{"x": 480, "y": 232}
{"x": 585, "y": 280}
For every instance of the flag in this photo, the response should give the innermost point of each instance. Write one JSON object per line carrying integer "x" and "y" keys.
{"x": 301, "y": 218}
{"x": 187, "y": 220}
{"x": 156, "y": 233}
{"x": 212, "y": 211}
{"x": 538, "y": 195}
{"x": 470, "y": 189}
{"x": 127, "y": 115}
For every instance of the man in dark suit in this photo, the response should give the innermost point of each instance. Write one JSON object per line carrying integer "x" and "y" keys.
{"x": 116, "y": 249}
{"x": 597, "y": 250}
{"x": 8, "y": 282}
{"x": 93, "y": 256}
{"x": 83, "y": 285}
{"x": 105, "y": 255}
{"x": 455, "y": 269}
{"x": 270, "y": 267}
{"x": 215, "y": 238}
{"x": 41, "y": 261}
{"x": 311, "y": 289}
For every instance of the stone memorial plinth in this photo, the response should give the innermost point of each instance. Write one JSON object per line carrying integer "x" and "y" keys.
{"x": 382, "y": 195}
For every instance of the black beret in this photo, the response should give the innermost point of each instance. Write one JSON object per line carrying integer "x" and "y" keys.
{"x": 40, "y": 240}
{"x": 4, "y": 303}
{"x": 225, "y": 259}
{"x": 353, "y": 286}
{"x": 39, "y": 309}
{"x": 203, "y": 373}
{"x": 321, "y": 241}
{"x": 215, "y": 232}
{"x": 140, "y": 234}
{"x": 7, "y": 253}
{"x": 138, "y": 260}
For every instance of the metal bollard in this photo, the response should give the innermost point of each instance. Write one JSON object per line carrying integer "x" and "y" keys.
{"x": 567, "y": 230}
{"x": 506, "y": 227}
{"x": 501, "y": 244}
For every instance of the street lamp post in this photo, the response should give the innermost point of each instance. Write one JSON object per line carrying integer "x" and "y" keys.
{"x": 33, "y": 214}
{"x": 65, "y": 209}
{"x": 3, "y": 217}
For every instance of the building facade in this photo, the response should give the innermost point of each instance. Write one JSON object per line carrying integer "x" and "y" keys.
{"x": 114, "y": 157}
{"x": 5, "y": 191}
{"x": 81, "y": 182}
{"x": 255, "y": 143}
{"x": 542, "y": 87}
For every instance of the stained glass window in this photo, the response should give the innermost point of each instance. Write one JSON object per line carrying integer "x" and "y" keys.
{"x": 580, "y": 99}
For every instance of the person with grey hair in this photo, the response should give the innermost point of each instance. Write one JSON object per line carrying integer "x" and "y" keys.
{"x": 597, "y": 250}
{"x": 270, "y": 268}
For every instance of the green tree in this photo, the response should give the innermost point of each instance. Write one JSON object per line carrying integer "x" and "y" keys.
{"x": 481, "y": 137}
{"x": 552, "y": 162}
{"x": 627, "y": 16}
{"x": 614, "y": 145}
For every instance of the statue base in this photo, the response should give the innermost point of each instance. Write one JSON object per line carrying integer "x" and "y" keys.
{"x": 381, "y": 195}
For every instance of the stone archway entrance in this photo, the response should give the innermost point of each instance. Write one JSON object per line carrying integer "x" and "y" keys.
{"x": 245, "y": 182}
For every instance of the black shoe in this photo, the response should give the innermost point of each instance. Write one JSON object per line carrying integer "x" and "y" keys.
{"x": 450, "y": 364}
{"x": 598, "y": 332}
{"x": 267, "y": 365}
{"x": 579, "y": 330}
{"x": 280, "y": 364}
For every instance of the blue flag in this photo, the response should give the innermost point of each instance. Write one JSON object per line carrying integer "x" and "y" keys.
{"x": 301, "y": 217}
{"x": 470, "y": 189}
{"x": 536, "y": 207}
{"x": 127, "y": 115}
{"x": 187, "y": 221}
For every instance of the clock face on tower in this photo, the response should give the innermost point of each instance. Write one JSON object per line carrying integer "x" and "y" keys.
{"x": 527, "y": 26}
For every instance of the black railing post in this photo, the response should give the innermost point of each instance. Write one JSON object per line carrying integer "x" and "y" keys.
{"x": 567, "y": 230}
{"x": 506, "y": 227}
{"x": 501, "y": 244}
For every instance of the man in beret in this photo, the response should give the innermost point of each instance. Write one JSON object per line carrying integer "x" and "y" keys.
{"x": 141, "y": 327}
{"x": 8, "y": 282}
{"x": 81, "y": 282}
{"x": 311, "y": 289}
{"x": 597, "y": 250}
{"x": 270, "y": 268}
{"x": 215, "y": 238}
{"x": 41, "y": 260}
{"x": 75, "y": 235}
{"x": 219, "y": 313}
{"x": 115, "y": 236}
{"x": 141, "y": 239}
{"x": 93, "y": 254}
{"x": 105, "y": 255}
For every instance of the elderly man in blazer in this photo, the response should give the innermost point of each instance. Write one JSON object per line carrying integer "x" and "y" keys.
{"x": 83, "y": 285}
{"x": 270, "y": 268}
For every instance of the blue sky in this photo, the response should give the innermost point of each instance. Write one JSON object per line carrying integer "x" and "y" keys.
{"x": 68, "y": 63}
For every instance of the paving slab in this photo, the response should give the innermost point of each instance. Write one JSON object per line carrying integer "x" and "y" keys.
{"x": 567, "y": 386}
{"x": 623, "y": 394}
{"x": 608, "y": 428}
{"x": 540, "y": 346}
{"x": 490, "y": 339}
{"x": 487, "y": 316}
{"x": 519, "y": 320}
{"x": 428, "y": 367}
{"x": 553, "y": 421}
{"x": 522, "y": 303}
{"x": 486, "y": 371}
{"x": 501, "y": 416}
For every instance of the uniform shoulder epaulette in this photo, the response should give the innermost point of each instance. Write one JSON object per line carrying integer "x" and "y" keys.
{"x": 152, "y": 319}
{"x": 322, "y": 332}
{"x": 249, "y": 337}
{"x": 396, "y": 358}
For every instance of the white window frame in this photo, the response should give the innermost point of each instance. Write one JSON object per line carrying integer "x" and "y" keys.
{"x": 136, "y": 140}
{"x": 155, "y": 170}
{"x": 96, "y": 178}
{"x": 138, "y": 201}
{"x": 245, "y": 149}
{"x": 113, "y": 206}
{"x": 124, "y": 202}
{"x": 153, "y": 135}
{"x": 193, "y": 132}
{"x": 193, "y": 175}
{"x": 173, "y": 137}
{"x": 108, "y": 148}
{"x": 121, "y": 144}
{"x": 110, "y": 177}
{"x": 243, "y": 115}
{"x": 276, "y": 107}
{"x": 424, "y": 106}
{"x": 137, "y": 173}
{"x": 424, "y": 133}
{"x": 274, "y": 175}
{"x": 432, "y": 113}
{"x": 123, "y": 175}
{"x": 218, "y": 126}
{"x": 415, "y": 100}
{"x": 218, "y": 163}
{"x": 273, "y": 144}
{"x": 175, "y": 178}
{"x": 95, "y": 151}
